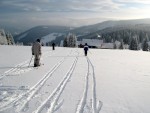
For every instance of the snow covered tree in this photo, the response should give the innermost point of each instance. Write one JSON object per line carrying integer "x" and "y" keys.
{"x": 70, "y": 40}
{"x": 115, "y": 46}
{"x": 65, "y": 44}
{"x": 74, "y": 41}
{"x": 10, "y": 39}
{"x": 134, "y": 43}
{"x": 145, "y": 46}
{"x": 3, "y": 39}
{"x": 121, "y": 45}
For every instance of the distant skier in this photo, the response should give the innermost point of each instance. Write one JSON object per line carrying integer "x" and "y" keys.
{"x": 86, "y": 47}
{"x": 53, "y": 45}
{"x": 42, "y": 44}
{"x": 36, "y": 51}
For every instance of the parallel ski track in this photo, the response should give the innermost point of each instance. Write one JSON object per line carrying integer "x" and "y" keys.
{"x": 19, "y": 66}
{"x": 14, "y": 69}
{"x": 52, "y": 100}
{"x": 27, "y": 96}
{"x": 82, "y": 103}
{"x": 21, "y": 100}
{"x": 96, "y": 105}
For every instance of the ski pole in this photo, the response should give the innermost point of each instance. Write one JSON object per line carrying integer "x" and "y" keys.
{"x": 30, "y": 60}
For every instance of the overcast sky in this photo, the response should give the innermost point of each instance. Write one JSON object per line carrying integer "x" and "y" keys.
{"x": 70, "y": 12}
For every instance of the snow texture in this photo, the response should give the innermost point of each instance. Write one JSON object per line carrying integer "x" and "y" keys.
{"x": 105, "y": 81}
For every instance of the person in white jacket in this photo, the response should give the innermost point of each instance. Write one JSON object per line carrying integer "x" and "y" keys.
{"x": 36, "y": 51}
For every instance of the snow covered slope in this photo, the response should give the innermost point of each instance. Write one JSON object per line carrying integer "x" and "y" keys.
{"x": 50, "y": 37}
{"x": 107, "y": 81}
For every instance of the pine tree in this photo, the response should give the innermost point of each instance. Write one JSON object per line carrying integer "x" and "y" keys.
{"x": 74, "y": 41}
{"x": 145, "y": 44}
{"x": 134, "y": 44}
{"x": 115, "y": 46}
{"x": 121, "y": 45}
{"x": 65, "y": 44}
{"x": 71, "y": 40}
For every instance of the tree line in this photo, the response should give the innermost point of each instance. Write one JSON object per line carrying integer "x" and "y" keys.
{"x": 70, "y": 40}
{"x": 134, "y": 38}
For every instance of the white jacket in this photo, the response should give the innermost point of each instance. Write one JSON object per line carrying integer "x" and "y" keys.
{"x": 36, "y": 48}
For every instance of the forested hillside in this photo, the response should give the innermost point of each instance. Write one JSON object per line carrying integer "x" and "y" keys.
{"x": 111, "y": 34}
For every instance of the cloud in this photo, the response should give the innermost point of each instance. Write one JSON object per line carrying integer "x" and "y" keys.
{"x": 53, "y": 18}
{"x": 59, "y": 6}
{"x": 69, "y": 5}
{"x": 146, "y": 2}
{"x": 75, "y": 12}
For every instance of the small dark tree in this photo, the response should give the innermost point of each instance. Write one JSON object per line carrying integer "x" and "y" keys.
{"x": 115, "y": 46}
{"x": 145, "y": 45}
{"x": 121, "y": 45}
{"x": 65, "y": 44}
{"x": 70, "y": 41}
{"x": 133, "y": 44}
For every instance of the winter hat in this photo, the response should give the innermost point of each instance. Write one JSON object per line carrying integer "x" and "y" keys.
{"x": 38, "y": 40}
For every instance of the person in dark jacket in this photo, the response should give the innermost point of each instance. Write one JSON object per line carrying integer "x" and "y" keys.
{"x": 53, "y": 45}
{"x": 86, "y": 47}
{"x": 36, "y": 51}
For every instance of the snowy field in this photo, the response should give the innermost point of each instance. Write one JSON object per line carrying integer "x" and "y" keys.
{"x": 50, "y": 37}
{"x": 107, "y": 81}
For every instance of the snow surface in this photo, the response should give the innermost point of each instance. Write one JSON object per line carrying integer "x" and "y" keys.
{"x": 106, "y": 81}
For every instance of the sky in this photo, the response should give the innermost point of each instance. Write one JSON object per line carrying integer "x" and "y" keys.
{"x": 70, "y": 12}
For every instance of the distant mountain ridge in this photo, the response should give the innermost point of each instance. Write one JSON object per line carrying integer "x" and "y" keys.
{"x": 32, "y": 34}
{"x": 107, "y": 24}
{"x": 41, "y": 31}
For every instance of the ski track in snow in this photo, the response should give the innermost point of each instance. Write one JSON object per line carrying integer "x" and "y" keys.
{"x": 96, "y": 105}
{"x": 16, "y": 68}
{"x": 51, "y": 104}
{"x": 14, "y": 99}
{"x": 22, "y": 100}
{"x": 21, "y": 68}
{"x": 82, "y": 103}
{"x": 52, "y": 100}
{"x": 26, "y": 98}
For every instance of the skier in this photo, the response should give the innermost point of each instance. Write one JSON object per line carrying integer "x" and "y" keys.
{"x": 86, "y": 47}
{"x": 36, "y": 51}
{"x": 53, "y": 45}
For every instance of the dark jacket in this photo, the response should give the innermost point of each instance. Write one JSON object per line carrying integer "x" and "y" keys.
{"x": 86, "y": 48}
